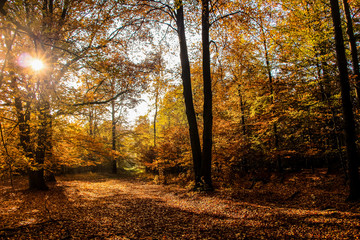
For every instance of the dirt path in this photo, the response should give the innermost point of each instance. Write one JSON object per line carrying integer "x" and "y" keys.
{"x": 102, "y": 208}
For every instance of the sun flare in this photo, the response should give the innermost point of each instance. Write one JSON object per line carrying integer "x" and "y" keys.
{"x": 37, "y": 64}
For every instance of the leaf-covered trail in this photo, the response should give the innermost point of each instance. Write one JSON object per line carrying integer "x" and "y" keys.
{"x": 104, "y": 208}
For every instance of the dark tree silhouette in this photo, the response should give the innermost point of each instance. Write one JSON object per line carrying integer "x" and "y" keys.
{"x": 349, "y": 123}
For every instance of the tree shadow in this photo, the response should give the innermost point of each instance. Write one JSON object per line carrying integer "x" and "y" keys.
{"x": 31, "y": 212}
{"x": 64, "y": 212}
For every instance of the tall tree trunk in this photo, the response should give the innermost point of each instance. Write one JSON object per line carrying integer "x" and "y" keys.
{"x": 155, "y": 115}
{"x": 242, "y": 110}
{"x": 36, "y": 171}
{"x": 113, "y": 135}
{"x": 50, "y": 173}
{"x": 349, "y": 123}
{"x": 91, "y": 121}
{"x": 324, "y": 82}
{"x": 23, "y": 116}
{"x": 271, "y": 84}
{"x": 160, "y": 165}
{"x": 36, "y": 174}
{"x": 207, "y": 114}
{"x": 244, "y": 161}
{"x": 353, "y": 49}
{"x": 187, "y": 91}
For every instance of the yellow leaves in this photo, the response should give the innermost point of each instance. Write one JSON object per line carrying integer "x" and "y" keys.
{"x": 74, "y": 147}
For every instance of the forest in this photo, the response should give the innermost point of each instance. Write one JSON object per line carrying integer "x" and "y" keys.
{"x": 179, "y": 119}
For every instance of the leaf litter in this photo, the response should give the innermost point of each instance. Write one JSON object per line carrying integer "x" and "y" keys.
{"x": 100, "y": 207}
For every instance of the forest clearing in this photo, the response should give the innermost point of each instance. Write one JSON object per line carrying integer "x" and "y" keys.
{"x": 94, "y": 206}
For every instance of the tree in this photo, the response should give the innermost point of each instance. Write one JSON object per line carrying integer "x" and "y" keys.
{"x": 353, "y": 49}
{"x": 207, "y": 112}
{"x": 187, "y": 91}
{"x": 349, "y": 122}
{"x": 69, "y": 37}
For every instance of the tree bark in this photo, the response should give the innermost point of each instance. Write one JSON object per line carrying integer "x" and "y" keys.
{"x": 155, "y": 114}
{"x": 36, "y": 171}
{"x": 113, "y": 135}
{"x": 353, "y": 49}
{"x": 50, "y": 172}
{"x": 242, "y": 110}
{"x": 36, "y": 174}
{"x": 91, "y": 121}
{"x": 187, "y": 91}
{"x": 207, "y": 114}
{"x": 349, "y": 123}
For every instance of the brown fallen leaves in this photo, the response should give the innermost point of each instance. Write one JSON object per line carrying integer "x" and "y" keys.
{"x": 97, "y": 207}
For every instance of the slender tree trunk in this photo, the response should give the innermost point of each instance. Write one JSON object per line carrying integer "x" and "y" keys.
{"x": 113, "y": 135}
{"x": 50, "y": 173}
{"x": 207, "y": 114}
{"x": 324, "y": 82}
{"x": 271, "y": 83}
{"x": 155, "y": 115}
{"x": 160, "y": 165}
{"x": 91, "y": 121}
{"x": 187, "y": 91}
{"x": 244, "y": 161}
{"x": 242, "y": 112}
{"x": 353, "y": 49}
{"x": 349, "y": 123}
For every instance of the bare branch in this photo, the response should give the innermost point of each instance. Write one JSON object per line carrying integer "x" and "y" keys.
{"x": 226, "y": 16}
{"x": 100, "y": 102}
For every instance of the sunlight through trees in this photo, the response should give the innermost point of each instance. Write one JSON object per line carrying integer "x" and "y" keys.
{"x": 259, "y": 89}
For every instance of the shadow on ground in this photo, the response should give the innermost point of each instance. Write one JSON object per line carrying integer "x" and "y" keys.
{"x": 117, "y": 209}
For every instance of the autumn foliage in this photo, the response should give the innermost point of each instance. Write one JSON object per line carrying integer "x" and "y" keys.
{"x": 257, "y": 97}
{"x": 159, "y": 119}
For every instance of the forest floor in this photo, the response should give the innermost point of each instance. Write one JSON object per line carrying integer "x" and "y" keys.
{"x": 93, "y": 206}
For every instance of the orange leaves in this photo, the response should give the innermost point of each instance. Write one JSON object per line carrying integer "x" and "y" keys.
{"x": 93, "y": 206}
{"x": 74, "y": 147}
